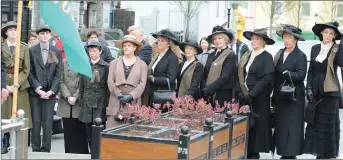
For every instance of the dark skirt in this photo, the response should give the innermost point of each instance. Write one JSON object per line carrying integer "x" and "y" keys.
{"x": 289, "y": 126}
{"x": 74, "y": 136}
{"x": 322, "y": 137}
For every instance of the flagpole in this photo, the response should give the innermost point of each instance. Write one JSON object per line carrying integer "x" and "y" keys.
{"x": 16, "y": 60}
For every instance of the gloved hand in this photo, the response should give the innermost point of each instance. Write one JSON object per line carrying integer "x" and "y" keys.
{"x": 240, "y": 96}
{"x": 125, "y": 98}
{"x": 309, "y": 95}
{"x": 151, "y": 78}
{"x": 286, "y": 74}
{"x": 204, "y": 93}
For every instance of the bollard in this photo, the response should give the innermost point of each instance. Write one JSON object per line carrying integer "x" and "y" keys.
{"x": 184, "y": 140}
{"x": 132, "y": 120}
{"x": 229, "y": 119}
{"x": 209, "y": 127}
{"x": 97, "y": 128}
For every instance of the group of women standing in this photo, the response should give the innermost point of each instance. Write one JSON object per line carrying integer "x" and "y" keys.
{"x": 214, "y": 74}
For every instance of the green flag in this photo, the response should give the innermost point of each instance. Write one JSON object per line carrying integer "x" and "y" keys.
{"x": 56, "y": 14}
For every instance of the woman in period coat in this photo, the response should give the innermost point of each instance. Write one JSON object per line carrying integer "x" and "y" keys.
{"x": 126, "y": 79}
{"x": 69, "y": 109}
{"x": 8, "y": 32}
{"x": 254, "y": 86}
{"x": 164, "y": 65}
{"x": 93, "y": 91}
{"x": 220, "y": 68}
{"x": 190, "y": 71}
{"x": 322, "y": 137}
{"x": 291, "y": 67}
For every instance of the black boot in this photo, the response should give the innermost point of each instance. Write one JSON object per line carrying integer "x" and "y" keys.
{"x": 5, "y": 143}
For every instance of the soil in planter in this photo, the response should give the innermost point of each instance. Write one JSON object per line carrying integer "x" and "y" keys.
{"x": 171, "y": 134}
{"x": 170, "y": 123}
{"x": 137, "y": 131}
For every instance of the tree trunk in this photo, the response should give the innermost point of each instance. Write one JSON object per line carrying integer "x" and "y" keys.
{"x": 271, "y": 18}
{"x": 186, "y": 35}
{"x": 299, "y": 14}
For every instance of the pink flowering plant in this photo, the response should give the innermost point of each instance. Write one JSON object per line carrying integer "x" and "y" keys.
{"x": 140, "y": 112}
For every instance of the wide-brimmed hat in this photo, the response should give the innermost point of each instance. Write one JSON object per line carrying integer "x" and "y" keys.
{"x": 6, "y": 26}
{"x": 168, "y": 34}
{"x": 317, "y": 28}
{"x": 43, "y": 28}
{"x": 94, "y": 44}
{"x": 292, "y": 30}
{"x": 217, "y": 30}
{"x": 132, "y": 39}
{"x": 192, "y": 43}
{"x": 262, "y": 32}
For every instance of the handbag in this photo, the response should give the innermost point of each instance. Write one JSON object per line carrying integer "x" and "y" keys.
{"x": 287, "y": 92}
{"x": 162, "y": 96}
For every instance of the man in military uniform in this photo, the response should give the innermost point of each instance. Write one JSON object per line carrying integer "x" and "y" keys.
{"x": 45, "y": 74}
{"x": 94, "y": 93}
{"x": 8, "y": 45}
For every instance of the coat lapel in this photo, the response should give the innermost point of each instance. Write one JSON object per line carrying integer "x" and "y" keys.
{"x": 290, "y": 55}
{"x": 165, "y": 56}
{"x": 132, "y": 78}
{"x": 6, "y": 49}
{"x": 181, "y": 74}
{"x": 38, "y": 54}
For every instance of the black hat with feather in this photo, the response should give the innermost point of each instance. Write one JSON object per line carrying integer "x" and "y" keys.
{"x": 318, "y": 28}
{"x": 217, "y": 30}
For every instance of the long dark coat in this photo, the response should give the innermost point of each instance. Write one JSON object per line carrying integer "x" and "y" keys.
{"x": 260, "y": 84}
{"x": 224, "y": 85}
{"x": 94, "y": 96}
{"x": 289, "y": 115}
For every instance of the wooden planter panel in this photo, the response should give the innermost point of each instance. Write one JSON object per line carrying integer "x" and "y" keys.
{"x": 221, "y": 144}
{"x": 239, "y": 140}
{"x": 130, "y": 149}
{"x": 199, "y": 149}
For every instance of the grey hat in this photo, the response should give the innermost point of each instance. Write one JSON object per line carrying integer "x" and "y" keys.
{"x": 6, "y": 26}
{"x": 43, "y": 28}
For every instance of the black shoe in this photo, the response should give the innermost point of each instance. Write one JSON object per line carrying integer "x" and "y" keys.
{"x": 253, "y": 156}
{"x": 5, "y": 143}
{"x": 288, "y": 157}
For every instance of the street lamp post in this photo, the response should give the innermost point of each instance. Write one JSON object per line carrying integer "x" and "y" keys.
{"x": 315, "y": 22}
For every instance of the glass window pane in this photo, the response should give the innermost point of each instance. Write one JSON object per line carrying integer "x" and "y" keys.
{"x": 340, "y": 10}
{"x": 305, "y": 9}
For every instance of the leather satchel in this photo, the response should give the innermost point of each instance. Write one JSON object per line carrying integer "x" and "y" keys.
{"x": 162, "y": 96}
{"x": 287, "y": 92}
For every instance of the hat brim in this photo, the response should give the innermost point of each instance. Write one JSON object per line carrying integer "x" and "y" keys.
{"x": 229, "y": 34}
{"x": 4, "y": 29}
{"x": 42, "y": 30}
{"x": 317, "y": 28}
{"x": 176, "y": 42}
{"x": 137, "y": 43}
{"x": 183, "y": 46}
{"x": 249, "y": 34}
{"x": 298, "y": 36}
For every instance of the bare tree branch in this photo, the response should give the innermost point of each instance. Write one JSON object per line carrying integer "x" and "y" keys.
{"x": 189, "y": 10}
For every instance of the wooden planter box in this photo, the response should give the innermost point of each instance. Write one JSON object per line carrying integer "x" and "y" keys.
{"x": 228, "y": 135}
{"x": 116, "y": 145}
{"x": 239, "y": 131}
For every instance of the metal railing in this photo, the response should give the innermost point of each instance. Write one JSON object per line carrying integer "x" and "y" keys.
{"x": 18, "y": 129}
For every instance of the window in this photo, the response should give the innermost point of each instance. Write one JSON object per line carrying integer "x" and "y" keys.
{"x": 278, "y": 8}
{"x": 306, "y": 9}
{"x": 339, "y": 10}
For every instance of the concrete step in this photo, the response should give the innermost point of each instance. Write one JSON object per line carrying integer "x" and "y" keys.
{"x": 41, "y": 155}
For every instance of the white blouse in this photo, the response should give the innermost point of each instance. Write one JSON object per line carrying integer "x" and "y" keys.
{"x": 324, "y": 50}
{"x": 285, "y": 55}
{"x": 185, "y": 65}
{"x": 156, "y": 62}
{"x": 251, "y": 60}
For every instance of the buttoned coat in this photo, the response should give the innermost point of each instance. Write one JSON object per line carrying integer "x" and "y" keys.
{"x": 94, "y": 96}
{"x": 48, "y": 76}
{"x": 69, "y": 86}
{"x": 133, "y": 85}
{"x": 24, "y": 71}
